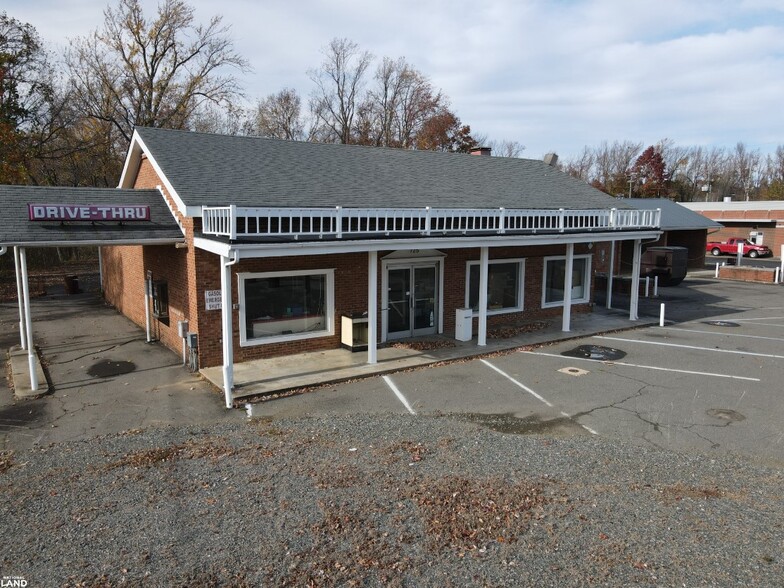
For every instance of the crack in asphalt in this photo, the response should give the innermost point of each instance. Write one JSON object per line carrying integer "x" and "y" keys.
{"x": 104, "y": 350}
{"x": 656, "y": 426}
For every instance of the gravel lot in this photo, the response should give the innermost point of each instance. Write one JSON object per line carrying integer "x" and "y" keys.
{"x": 384, "y": 500}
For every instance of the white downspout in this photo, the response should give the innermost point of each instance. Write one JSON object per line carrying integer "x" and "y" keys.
{"x": 20, "y": 299}
{"x": 635, "y": 299}
{"x": 28, "y": 322}
{"x": 483, "y": 263}
{"x": 372, "y": 306}
{"x": 566, "y": 323}
{"x": 226, "y": 329}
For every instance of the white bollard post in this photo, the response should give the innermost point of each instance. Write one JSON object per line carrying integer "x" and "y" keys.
{"x": 661, "y": 315}
{"x": 716, "y": 275}
{"x": 647, "y": 285}
{"x": 776, "y": 276}
{"x": 781, "y": 267}
{"x": 655, "y": 286}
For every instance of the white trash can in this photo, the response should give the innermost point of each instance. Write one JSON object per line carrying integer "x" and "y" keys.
{"x": 463, "y": 324}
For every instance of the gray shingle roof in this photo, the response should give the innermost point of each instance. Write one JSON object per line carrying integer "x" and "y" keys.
{"x": 674, "y": 217}
{"x": 17, "y": 229}
{"x": 217, "y": 170}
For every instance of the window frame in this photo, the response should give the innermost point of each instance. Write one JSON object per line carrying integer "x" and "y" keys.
{"x": 160, "y": 299}
{"x": 329, "y": 306}
{"x": 520, "y": 262}
{"x": 586, "y": 280}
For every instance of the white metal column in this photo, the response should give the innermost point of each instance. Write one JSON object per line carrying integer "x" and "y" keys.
{"x": 28, "y": 322}
{"x": 227, "y": 336}
{"x": 372, "y": 305}
{"x": 20, "y": 300}
{"x": 147, "y": 294}
{"x": 483, "y": 263}
{"x": 566, "y": 323}
{"x": 100, "y": 268}
{"x": 610, "y": 274}
{"x": 635, "y": 298}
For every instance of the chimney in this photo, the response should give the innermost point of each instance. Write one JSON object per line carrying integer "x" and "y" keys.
{"x": 481, "y": 151}
{"x": 551, "y": 159}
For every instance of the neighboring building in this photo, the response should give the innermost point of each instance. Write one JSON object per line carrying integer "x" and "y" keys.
{"x": 760, "y": 221}
{"x": 285, "y": 246}
{"x": 681, "y": 228}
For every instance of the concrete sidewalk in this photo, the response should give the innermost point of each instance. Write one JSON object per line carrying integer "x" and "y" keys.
{"x": 254, "y": 380}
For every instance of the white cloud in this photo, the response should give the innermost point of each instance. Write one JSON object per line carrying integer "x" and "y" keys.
{"x": 552, "y": 74}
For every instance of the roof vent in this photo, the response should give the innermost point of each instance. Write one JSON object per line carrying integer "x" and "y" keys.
{"x": 481, "y": 151}
{"x": 551, "y": 159}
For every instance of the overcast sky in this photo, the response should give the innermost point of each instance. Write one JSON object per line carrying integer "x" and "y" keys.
{"x": 554, "y": 75}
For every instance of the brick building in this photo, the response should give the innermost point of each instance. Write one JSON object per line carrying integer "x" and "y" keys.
{"x": 277, "y": 247}
{"x": 760, "y": 221}
{"x": 306, "y": 240}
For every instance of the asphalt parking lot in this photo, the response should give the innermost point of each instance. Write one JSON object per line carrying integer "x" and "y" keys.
{"x": 709, "y": 381}
{"x": 710, "y": 384}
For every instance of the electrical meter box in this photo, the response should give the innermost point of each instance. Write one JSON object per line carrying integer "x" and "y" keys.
{"x": 463, "y": 324}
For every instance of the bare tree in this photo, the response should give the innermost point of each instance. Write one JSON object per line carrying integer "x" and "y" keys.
{"x": 581, "y": 166}
{"x": 339, "y": 83}
{"x": 506, "y": 148}
{"x": 161, "y": 73}
{"x": 746, "y": 168}
{"x": 613, "y": 166}
{"x": 774, "y": 175}
{"x": 279, "y": 116}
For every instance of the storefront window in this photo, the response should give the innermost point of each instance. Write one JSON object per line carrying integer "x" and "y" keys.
{"x": 282, "y": 306}
{"x": 504, "y": 286}
{"x": 554, "y": 278}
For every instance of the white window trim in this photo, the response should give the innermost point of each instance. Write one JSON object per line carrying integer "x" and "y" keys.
{"x": 329, "y": 307}
{"x": 586, "y": 280}
{"x": 520, "y": 261}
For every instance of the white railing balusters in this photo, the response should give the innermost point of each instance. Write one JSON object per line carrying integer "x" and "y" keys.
{"x": 233, "y": 221}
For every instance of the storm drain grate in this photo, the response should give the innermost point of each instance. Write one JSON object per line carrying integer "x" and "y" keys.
{"x": 597, "y": 352}
{"x": 722, "y": 323}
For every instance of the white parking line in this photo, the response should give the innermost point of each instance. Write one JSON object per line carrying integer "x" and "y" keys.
{"x": 398, "y": 393}
{"x": 724, "y": 333}
{"x": 767, "y": 318}
{"x": 690, "y": 347}
{"x": 532, "y": 393}
{"x": 647, "y": 367}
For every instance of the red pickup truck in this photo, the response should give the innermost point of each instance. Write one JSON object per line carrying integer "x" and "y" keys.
{"x": 730, "y": 247}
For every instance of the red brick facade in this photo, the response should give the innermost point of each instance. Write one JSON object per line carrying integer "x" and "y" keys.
{"x": 190, "y": 272}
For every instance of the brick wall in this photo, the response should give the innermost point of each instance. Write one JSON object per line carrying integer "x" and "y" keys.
{"x": 351, "y": 272}
{"x": 189, "y": 272}
{"x": 125, "y": 269}
{"x": 747, "y": 274}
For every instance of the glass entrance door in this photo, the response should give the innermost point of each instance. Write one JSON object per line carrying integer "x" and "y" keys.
{"x": 412, "y": 300}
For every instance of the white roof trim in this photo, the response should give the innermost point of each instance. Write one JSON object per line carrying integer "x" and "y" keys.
{"x": 746, "y": 220}
{"x": 745, "y": 205}
{"x": 133, "y": 163}
{"x": 298, "y": 248}
{"x": 97, "y": 242}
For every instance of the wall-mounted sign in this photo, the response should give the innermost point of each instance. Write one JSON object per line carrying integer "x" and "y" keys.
{"x": 212, "y": 299}
{"x": 92, "y": 212}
